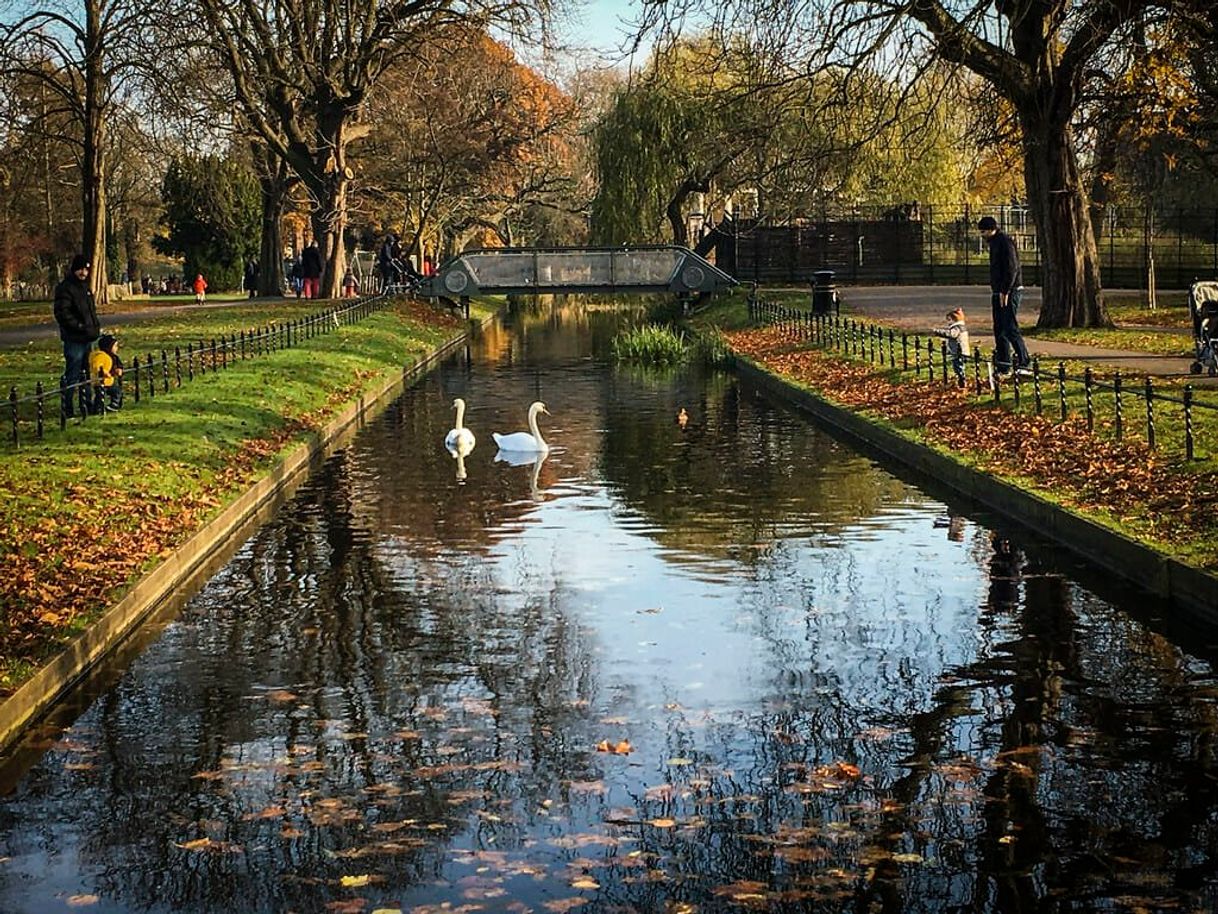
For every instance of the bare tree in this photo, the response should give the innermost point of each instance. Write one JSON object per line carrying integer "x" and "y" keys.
{"x": 302, "y": 71}
{"x": 84, "y": 60}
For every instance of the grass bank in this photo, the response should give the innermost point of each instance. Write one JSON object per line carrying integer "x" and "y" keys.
{"x": 85, "y": 512}
{"x": 1152, "y": 495}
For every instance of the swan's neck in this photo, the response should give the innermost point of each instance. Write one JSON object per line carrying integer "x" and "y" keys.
{"x": 541, "y": 442}
{"x": 460, "y": 413}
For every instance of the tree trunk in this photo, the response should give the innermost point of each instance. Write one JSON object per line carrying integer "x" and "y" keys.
{"x": 93, "y": 158}
{"x": 275, "y": 184}
{"x": 1070, "y": 286}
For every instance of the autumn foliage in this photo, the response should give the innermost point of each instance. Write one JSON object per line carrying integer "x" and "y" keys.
{"x": 1121, "y": 480}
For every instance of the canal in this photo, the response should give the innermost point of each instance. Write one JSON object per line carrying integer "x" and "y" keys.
{"x": 729, "y": 664}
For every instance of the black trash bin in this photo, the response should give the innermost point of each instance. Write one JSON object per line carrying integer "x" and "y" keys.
{"x": 824, "y": 293}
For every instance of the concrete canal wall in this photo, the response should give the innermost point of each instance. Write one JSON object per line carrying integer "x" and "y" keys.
{"x": 204, "y": 552}
{"x": 1126, "y": 558}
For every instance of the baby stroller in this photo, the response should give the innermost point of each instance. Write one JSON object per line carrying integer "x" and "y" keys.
{"x": 1203, "y": 308}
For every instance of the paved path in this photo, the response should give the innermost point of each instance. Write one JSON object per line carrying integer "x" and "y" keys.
{"x": 922, "y": 307}
{"x": 18, "y": 337}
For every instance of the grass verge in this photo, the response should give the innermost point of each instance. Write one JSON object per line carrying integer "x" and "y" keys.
{"x": 84, "y": 513}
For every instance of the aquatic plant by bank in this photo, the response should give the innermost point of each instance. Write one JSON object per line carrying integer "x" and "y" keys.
{"x": 711, "y": 348}
{"x": 648, "y": 344}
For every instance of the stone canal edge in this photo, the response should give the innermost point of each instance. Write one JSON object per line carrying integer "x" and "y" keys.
{"x": 206, "y": 550}
{"x": 1177, "y": 582}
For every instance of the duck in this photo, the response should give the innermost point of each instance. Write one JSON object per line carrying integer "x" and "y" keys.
{"x": 460, "y": 438}
{"x": 682, "y": 418}
{"x": 528, "y": 442}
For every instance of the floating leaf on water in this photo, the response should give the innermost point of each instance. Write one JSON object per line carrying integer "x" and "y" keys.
{"x": 585, "y": 883}
{"x": 196, "y": 845}
{"x": 1007, "y": 839}
{"x": 662, "y": 823}
{"x": 907, "y": 858}
{"x": 81, "y": 901}
{"x": 562, "y": 905}
{"x": 281, "y": 696}
{"x": 355, "y": 882}
{"x": 679, "y": 762}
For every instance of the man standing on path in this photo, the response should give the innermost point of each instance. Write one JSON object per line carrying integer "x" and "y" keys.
{"x": 76, "y": 314}
{"x": 1006, "y": 293}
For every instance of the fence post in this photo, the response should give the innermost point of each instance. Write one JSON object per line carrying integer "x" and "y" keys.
{"x": 190, "y": 361}
{"x": 214, "y": 354}
{"x": 977, "y": 370}
{"x": 136, "y": 382}
{"x": 1036, "y": 385}
{"x": 1150, "y": 413}
{"x": 12, "y": 402}
{"x": 892, "y": 355}
{"x": 39, "y": 407}
{"x": 1116, "y": 397}
{"x": 904, "y": 351}
{"x": 1188, "y": 421}
{"x": 1016, "y": 390}
{"x": 151, "y": 378}
{"x": 1061, "y": 388}
{"x": 1088, "y": 379}
{"x": 917, "y": 359}
{"x": 930, "y": 361}
{"x": 997, "y": 383}
{"x": 223, "y": 351}
{"x": 165, "y": 371}
{"x": 943, "y": 358}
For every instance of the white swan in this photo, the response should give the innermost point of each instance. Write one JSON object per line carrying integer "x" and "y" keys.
{"x": 524, "y": 441}
{"x": 459, "y": 438}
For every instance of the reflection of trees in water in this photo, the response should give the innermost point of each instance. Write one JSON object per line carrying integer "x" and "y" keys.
{"x": 738, "y": 476}
{"x": 333, "y": 711}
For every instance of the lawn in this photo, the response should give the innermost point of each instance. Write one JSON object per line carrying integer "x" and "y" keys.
{"x": 20, "y": 314}
{"x": 86, "y": 511}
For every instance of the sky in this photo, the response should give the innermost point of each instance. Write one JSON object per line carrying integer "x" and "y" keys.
{"x": 600, "y": 25}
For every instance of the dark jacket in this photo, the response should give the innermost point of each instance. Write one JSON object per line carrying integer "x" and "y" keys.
{"x": 75, "y": 312}
{"x": 1005, "y": 272}
{"x": 310, "y": 263}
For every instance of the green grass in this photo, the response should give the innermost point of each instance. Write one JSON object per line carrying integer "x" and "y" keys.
{"x": 132, "y": 467}
{"x": 1152, "y": 342}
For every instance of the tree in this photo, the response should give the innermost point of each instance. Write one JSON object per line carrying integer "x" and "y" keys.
{"x": 84, "y": 63}
{"x": 1036, "y": 54}
{"x": 213, "y": 213}
{"x": 302, "y": 71}
{"x": 467, "y": 142}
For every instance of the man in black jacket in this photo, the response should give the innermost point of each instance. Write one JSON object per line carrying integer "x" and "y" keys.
{"x": 1006, "y": 293}
{"x": 311, "y": 268}
{"x": 76, "y": 314}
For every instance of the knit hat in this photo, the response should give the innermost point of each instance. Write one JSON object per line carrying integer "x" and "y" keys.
{"x": 79, "y": 262}
{"x": 987, "y": 223}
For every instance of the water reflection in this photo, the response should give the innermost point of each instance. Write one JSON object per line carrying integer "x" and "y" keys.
{"x": 393, "y": 696}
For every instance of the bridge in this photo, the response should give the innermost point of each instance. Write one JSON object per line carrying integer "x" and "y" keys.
{"x": 591, "y": 271}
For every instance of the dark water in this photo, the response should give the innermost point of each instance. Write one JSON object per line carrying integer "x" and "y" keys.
{"x": 838, "y": 695}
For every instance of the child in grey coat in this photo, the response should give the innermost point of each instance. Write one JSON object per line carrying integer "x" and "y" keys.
{"x": 956, "y": 334}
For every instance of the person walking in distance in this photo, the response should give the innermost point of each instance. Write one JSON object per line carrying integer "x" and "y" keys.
{"x": 1006, "y": 294}
{"x": 311, "y": 268}
{"x": 76, "y": 315}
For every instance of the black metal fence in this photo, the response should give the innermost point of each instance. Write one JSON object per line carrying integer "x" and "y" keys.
{"x": 939, "y": 244}
{"x": 155, "y": 374}
{"x": 1121, "y": 406}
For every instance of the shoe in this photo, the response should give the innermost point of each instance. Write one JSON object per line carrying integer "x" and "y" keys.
{"x": 1024, "y": 372}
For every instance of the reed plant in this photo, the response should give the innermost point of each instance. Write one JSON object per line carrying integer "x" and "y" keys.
{"x": 649, "y": 344}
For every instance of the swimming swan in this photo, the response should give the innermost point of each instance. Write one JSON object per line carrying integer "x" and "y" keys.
{"x": 524, "y": 441}
{"x": 459, "y": 438}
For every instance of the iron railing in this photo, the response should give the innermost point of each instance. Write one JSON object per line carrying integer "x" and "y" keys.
{"x": 939, "y": 244}
{"x": 1118, "y": 404}
{"x": 156, "y": 374}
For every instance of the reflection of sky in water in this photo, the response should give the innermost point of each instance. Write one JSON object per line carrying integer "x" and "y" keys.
{"x": 405, "y": 676}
